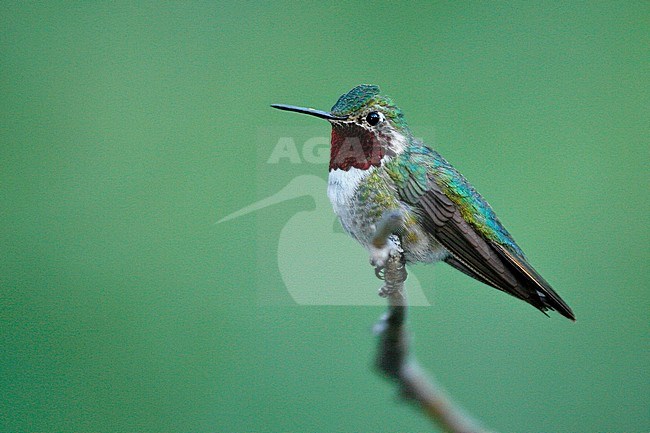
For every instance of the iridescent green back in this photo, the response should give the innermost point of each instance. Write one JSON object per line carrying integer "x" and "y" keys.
{"x": 420, "y": 164}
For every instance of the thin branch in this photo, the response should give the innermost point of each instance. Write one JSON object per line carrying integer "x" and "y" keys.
{"x": 393, "y": 357}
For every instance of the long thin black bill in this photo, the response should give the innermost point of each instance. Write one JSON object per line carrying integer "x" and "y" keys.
{"x": 312, "y": 112}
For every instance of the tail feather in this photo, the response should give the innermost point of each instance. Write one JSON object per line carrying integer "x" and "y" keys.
{"x": 527, "y": 276}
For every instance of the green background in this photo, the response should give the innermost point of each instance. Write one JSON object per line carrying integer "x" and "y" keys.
{"x": 128, "y": 129}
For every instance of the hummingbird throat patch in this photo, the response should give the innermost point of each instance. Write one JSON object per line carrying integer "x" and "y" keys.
{"x": 356, "y": 147}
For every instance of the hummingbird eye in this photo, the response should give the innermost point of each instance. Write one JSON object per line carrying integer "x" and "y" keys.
{"x": 373, "y": 118}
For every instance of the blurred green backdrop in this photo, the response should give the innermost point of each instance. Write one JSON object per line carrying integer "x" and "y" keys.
{"x": 128, "y": 129}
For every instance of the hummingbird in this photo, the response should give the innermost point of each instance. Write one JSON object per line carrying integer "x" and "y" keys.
{"x": 378, "y": 166}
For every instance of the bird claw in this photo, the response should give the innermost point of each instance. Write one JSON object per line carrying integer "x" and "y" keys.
{"x": 380, "y": 272}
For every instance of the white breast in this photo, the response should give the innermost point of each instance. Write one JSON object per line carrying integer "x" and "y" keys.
{"x": 341, "y": 191}
{"x": 343, "y": 184}
{"x": 358, "y": 222}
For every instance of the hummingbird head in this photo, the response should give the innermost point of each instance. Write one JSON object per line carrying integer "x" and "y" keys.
{"x": 367, "y": 128}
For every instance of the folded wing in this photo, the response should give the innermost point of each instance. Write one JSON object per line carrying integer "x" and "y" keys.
{"x": 491, "y": 257}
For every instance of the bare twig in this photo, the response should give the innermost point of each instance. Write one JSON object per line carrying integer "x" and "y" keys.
{"x": 393, "y": 358}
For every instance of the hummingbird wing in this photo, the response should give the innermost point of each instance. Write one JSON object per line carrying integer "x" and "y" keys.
{"x": 465, "y": 224}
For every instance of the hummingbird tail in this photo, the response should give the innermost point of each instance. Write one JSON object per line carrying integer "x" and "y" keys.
{"x": 542, "y": 295}
{"x": 555, "y": 303}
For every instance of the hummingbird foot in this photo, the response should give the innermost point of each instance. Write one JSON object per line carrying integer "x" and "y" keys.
{"x": 384, "y": 292}
{"x": 394, "y": 274}
{"x": 386, "y": 253}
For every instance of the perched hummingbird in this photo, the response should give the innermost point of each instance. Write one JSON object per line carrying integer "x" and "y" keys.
{"x": 377, "y": 165}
